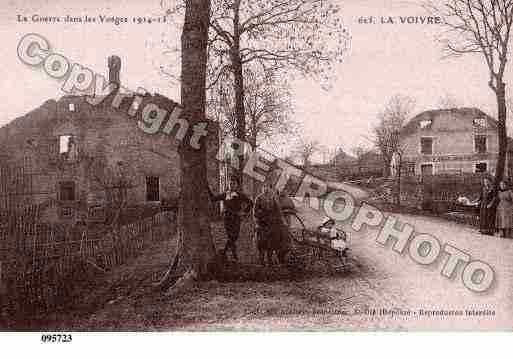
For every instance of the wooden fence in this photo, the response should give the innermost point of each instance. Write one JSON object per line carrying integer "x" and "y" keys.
{"x": 40, "y": 263}
{"x": 436, "y": 193}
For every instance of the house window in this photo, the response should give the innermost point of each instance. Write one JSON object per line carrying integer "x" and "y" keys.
{"x": 64, "y": 144}
{"x": 480, "y": 143}
{"x": 152, "y": 189}
{"x": 67, "y": 191}
{"x": 480, "y": 122}
{"x": 425, "y": 123}
{"x": 481, "y": 167}
{"x": 426, "y": 169}
{"x": 72, "y": 107}
{"x": 68, "y": 147}
{"x": 67, "y": 213}
{"x": 426, "y": 145}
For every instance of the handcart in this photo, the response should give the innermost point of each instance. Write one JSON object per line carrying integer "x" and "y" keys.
{"x": 310, "y": 247}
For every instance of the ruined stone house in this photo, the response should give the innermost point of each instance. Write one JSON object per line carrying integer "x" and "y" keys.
{"x": 71, "y": 158}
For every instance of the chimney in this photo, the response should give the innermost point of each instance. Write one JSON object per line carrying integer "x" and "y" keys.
{"x": 114, "y": 63}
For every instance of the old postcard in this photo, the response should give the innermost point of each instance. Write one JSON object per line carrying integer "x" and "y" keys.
{"x": 256, "y": 165}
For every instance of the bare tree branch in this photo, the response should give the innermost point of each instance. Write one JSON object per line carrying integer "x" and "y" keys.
{"x": 482, "y": 26}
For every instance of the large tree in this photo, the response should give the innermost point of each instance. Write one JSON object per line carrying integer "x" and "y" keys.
{"x": 482, "y": 27}
{"x": 304, "y": 36}
{"x": 195, "y": 252}
{"x": 510, "y": 117}
{"x": 266, "y": 101}
{"x": 391, "y": 120}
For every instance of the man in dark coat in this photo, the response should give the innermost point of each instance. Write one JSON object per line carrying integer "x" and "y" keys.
{"x": 236, "y": 204}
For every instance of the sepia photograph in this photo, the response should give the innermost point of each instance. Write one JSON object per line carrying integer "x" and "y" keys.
{"x": 255, "y": 166}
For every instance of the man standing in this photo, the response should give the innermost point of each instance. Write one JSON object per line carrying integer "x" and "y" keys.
{"x": 236, "y": 205}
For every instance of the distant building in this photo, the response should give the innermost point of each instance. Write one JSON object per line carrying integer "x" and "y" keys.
{"x": 71, "y": 158}
{"x": 344, "y": 167}
{"x": 369, "y": 164}
{"x": 342, "y": 159}
{"x": 460, "y": 140}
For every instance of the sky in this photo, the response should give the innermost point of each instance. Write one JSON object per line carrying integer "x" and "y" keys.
{"x": 383, "y": 60}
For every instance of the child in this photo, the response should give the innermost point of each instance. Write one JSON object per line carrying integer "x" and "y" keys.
{"x": 337, "y": 238}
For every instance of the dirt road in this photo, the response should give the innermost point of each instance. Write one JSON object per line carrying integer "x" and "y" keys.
{"x": 381, "y": 290}
{"x": 387, "y": 290}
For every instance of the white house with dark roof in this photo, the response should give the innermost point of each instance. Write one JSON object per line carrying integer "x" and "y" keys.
{"x": 459, "y": 140}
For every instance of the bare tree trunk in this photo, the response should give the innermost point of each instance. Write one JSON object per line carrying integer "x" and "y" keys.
{"x": 501, "y": 112}
{"x": 253, "y": 142}
{"x": 240, "y": 112}
{"x": 196, "y": 250}
{"x": 386, "y": 166}
{"x": 399, "y": 180}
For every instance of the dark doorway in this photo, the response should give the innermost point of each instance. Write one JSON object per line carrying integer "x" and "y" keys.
{"x": 152, "y": 189}
{"x": 67, "y": 191}
{"x": 481, "y": 167}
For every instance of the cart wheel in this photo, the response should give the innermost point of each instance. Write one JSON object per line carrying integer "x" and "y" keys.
{"x": 301, "y": 255}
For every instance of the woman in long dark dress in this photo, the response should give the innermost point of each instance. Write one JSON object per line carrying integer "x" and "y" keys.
{"x": 504, "y": 216}
{"x": 487, "y": 208}
{"x": 270, "y": 229}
